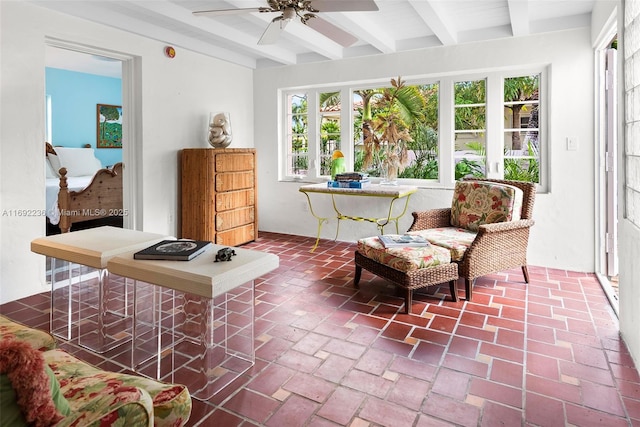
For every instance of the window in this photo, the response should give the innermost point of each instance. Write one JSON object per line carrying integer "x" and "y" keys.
{"x": 470, "y": 114}
{"x": 297, "y": 135}
{"x": 486, "y": 125}
{"x": 330, "y": 108}
{"x": 424, "y": 147}
{"x": 521, "y": 128}
{"x": 416, "y": 111}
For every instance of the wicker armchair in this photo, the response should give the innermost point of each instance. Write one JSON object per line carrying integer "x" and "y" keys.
{"x": 497, "y": 246}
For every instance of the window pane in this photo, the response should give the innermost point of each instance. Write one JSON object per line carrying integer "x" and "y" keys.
{"x": 397, "y": 125}
{"x": 470, "y": 123}
{"x": 423, "y": 150}
{"x": 330, "y": 107}
{"x": 521, "y": 115}
{"x": 470, "y": 118}
{"x": 297, "y": 134}
{"x": 470, "y": 155}
{"x": 364, "y": 109}
{"x": 299, "y": 123}
{"x": 522, "y": 164}
{"x": 299, "y": 163}
{"x": 470, "y": 92}
{"x": 521, "y": 135}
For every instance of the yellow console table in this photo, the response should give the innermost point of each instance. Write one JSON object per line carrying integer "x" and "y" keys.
{"x": 392, "y": 192}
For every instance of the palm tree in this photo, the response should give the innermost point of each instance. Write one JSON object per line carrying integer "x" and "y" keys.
{"x": 387, "y": 113}
{"x": 398, "y": 108}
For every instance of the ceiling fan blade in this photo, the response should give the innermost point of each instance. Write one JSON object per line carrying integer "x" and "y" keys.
{"x": 336, "y": 34}
{"x": 272, "y": 33}
{"x": 219, "y": 12}
{"x": 344, "y": 5}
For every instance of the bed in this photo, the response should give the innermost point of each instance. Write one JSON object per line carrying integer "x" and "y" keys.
{"x": 79, "y": 189}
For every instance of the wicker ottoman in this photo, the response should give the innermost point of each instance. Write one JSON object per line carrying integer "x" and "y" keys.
{"x": 411, "y": 278}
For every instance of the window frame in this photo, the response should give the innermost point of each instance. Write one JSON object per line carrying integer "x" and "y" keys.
{"x": 494, "y": 126}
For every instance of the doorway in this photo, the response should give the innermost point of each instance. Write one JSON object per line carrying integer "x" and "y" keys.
{"x": 607, "y": 86}
{"x": 127, "y": 68}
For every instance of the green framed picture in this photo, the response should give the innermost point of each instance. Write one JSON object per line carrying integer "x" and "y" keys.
{"x": 109, "y": 126}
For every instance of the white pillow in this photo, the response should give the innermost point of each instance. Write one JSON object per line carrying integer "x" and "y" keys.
{"x": 78, "y": 161}
{"x": 54, "y": 162}
{"x": 51, "y": 173}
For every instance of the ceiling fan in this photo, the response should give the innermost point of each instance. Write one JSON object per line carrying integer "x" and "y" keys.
{"x": 306, "y": 11}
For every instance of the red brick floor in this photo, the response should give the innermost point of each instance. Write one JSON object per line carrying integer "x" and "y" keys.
{"x": 543, "y": 354}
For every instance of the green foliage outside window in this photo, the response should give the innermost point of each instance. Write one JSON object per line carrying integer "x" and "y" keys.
{"x": 425, "y": 148}
{"x": 469, "y": 167}
{"x": 523, "y": 169}
{"x": 329, "y": 141}
{"x": 299, "y": 134}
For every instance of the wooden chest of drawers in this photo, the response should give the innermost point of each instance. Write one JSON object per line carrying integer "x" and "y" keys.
{"x": 218, "y": 195}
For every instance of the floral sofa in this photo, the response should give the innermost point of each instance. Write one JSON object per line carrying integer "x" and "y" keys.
{"x": 41, "y": 385}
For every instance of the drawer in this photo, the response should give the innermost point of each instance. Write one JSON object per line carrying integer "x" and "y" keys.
{"x": 234, "y": 181}
{"x": 234, "y": 199}
{"x": 234, "y": 218}
{"x": 236, "y": 236}
{"x": 232, "y": 162}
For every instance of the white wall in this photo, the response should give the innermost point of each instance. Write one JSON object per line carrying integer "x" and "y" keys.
{"x": 563, "y": 236}
{"x": 176, "y": 95}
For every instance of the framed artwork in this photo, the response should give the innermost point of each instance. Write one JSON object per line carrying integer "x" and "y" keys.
{"x": 109, "y": 126}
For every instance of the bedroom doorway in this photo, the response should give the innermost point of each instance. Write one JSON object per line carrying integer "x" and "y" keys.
{"x": 112, "y": 67}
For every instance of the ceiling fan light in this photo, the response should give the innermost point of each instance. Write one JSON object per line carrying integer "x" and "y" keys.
{"x": 288, "y": 14}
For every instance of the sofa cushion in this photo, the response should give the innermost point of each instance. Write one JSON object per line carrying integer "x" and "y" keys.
{"x": 40, "y": 340}
{"x": 456, "y": 240}
{"x": 29, "y": 392}
{"x": 171, "y": 403}
{"x": 479, "y": 202}
{"x": 96, "y": 397}
{"x": 10, "y": 413}
{"x": 403, "y": 258}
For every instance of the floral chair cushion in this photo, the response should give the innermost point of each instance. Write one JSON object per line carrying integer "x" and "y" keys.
{"x": 456, "y": 240}
{"x": 40, "y": 340}
{"x": 403, "y": 258}
{"x": 170, "y": 403}
{"x": 477, "y": 202}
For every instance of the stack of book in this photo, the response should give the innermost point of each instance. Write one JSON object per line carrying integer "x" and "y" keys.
{"x": 350, "y": 180}
{"x": 402, "y": 240}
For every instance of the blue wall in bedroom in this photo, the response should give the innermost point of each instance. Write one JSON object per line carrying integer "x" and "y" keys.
{"x": 74, "y": 97}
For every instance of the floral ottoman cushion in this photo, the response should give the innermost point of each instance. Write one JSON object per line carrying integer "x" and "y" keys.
{"x": 456, "y": 240}
{"x": 404, "y": 258}
{"x": 40, "y": 340}
{"x": 478, "y": 202}
{"x": 171, "y": 403}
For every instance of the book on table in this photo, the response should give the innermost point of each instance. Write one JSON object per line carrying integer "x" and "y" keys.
{"x": 402, "y": 240}
{"x": 175, "y": 250}
{"x": 348, "y": 184}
